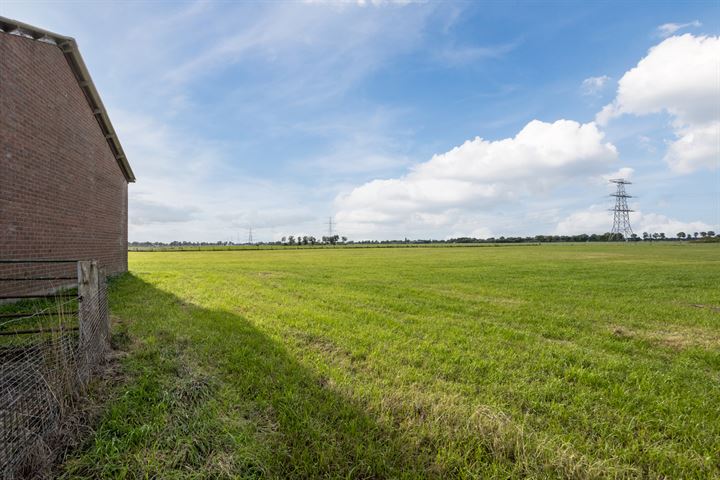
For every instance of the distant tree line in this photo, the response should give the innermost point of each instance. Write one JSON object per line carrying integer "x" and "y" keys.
{"x": 584, "y": 237}
{"x": 288, "y": 240}
{"x": 709, "y": 236}
{"x": 183, "y": 243}
{"x": 310, "y": 240}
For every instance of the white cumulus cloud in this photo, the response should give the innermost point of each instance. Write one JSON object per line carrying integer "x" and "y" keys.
{"x": 476, "y": 176}
{"x": 697, "y": 146}
{"x": 680, "y": 76}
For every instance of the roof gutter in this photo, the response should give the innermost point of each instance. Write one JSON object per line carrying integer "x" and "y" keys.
{"x": 69, "y": 47}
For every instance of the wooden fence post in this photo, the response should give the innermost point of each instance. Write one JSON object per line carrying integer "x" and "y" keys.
{"x": 87, "y": 314}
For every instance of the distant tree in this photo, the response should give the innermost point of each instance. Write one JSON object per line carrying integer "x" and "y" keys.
{"x": 655, "y": 236}
{"x": 331, "y": 239}
{"x": 344, "y": 239}
{"x": 703, "y": 234}
{"x": 291, "y": 240}
{"x": 695, "y": 234}
{"x": 681, "y": 235}
{"x": 646, "y": 235}
{"x": 662, "y": 235}
{"x": 634, "y": 237}
{"x": 711, "y": 233}
{"x": 284, "y": 239}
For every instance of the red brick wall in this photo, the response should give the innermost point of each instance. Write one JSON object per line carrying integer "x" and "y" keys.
{"x": 62, "y": 193}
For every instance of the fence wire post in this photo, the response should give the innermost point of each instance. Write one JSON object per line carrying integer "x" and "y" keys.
{"x": 88, "y": 313}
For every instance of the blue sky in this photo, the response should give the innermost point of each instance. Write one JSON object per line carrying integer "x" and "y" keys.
{"x": 420, "y": 120}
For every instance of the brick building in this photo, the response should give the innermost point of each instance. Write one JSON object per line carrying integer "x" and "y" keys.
{"x": 63, "y": 173}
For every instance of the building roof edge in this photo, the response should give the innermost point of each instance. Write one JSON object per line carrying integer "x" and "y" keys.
{"x": 69, "y": 47}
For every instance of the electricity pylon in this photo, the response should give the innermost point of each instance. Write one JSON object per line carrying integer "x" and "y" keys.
{"x": 621, "y": 212}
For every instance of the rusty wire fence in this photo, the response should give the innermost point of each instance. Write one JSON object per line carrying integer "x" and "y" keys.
{"x": 54, "y": 333}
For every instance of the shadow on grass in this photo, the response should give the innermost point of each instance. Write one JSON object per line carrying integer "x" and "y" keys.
{"x": 211, "y": 396}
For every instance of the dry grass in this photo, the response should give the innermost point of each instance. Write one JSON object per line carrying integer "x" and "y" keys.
{"x": 676, "y": 338}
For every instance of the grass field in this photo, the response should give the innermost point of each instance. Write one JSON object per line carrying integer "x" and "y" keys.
{"x": 225, "y": 248}
{"x": 553, "y": 361}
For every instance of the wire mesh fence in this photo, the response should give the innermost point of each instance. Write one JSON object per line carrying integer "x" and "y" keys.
{"x": 54, "y": 333}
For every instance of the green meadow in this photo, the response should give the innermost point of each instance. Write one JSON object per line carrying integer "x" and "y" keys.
{"x": 549, "y": 361}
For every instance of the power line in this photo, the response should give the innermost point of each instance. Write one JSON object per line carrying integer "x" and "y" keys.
{"x": 330, "y": 226}
{"x": 621, "y": 212}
